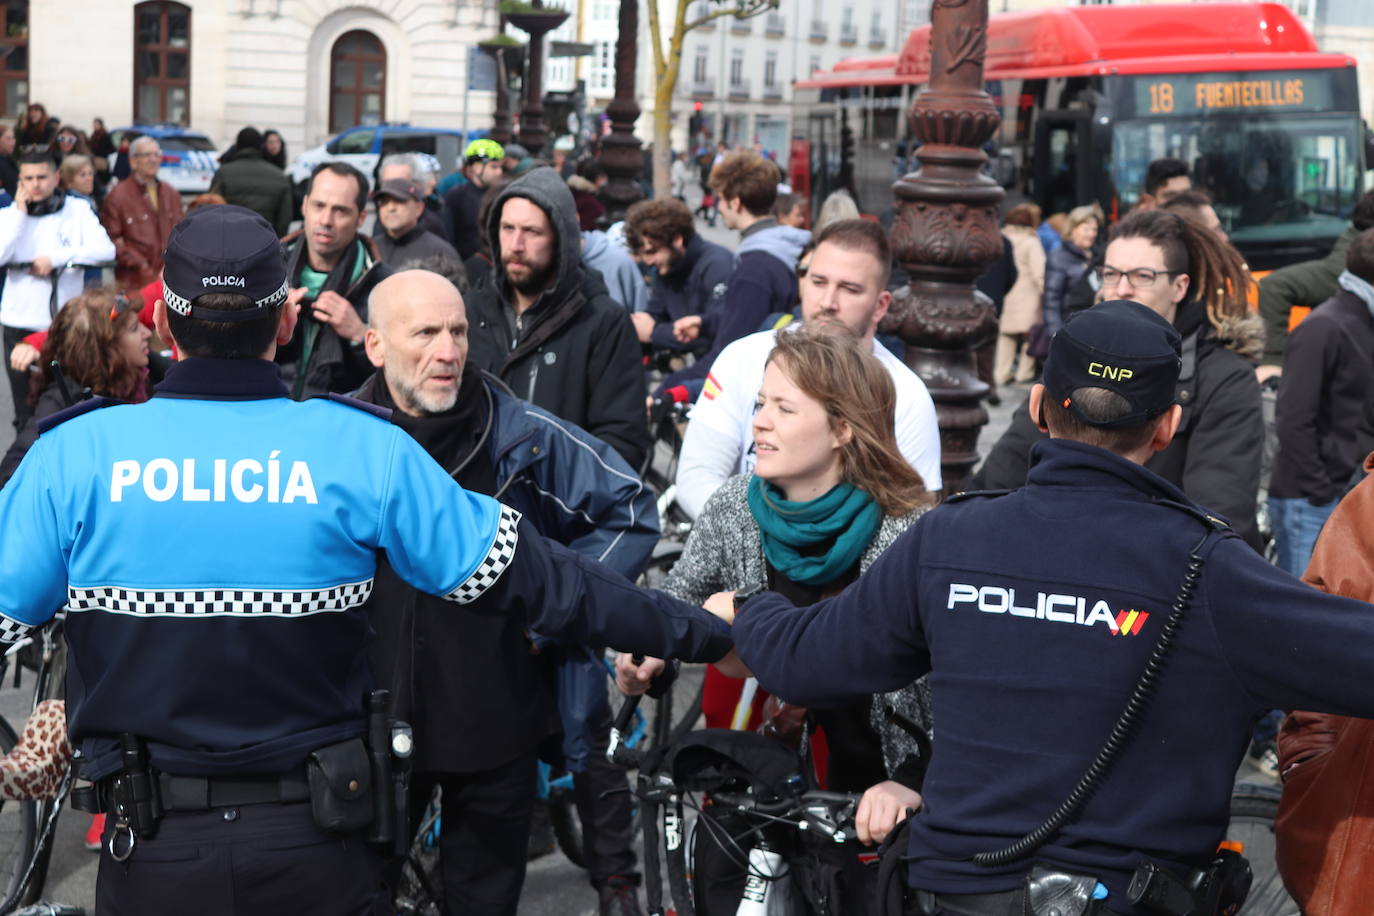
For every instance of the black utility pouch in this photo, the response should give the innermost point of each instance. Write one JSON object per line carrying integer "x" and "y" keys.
{"x": 341, "y": 787}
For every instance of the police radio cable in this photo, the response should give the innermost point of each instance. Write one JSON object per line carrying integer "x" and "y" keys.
{"x": 1131, "y": 716}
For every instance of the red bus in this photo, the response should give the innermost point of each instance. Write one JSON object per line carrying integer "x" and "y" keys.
{"x": 1268, "y": 125}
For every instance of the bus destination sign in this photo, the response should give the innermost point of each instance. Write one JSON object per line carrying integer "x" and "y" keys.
{"x": 1205, "y": 93}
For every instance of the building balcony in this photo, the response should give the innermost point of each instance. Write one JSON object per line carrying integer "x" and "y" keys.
{"x": 772, "y": 93}
{"x": 739, "y": 90}
{"x": 876, "y": 39}
{"x": 741, "y": 26}
{"x": 705, "y": 86}
{"x": 820, "y": 30}
{"x": 697, "y": 11}
{"x": 849, "y": 35}
{"x": 774, "y": 26}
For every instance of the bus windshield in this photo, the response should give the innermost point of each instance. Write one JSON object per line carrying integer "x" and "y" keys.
{"x": 1272, "y": 178}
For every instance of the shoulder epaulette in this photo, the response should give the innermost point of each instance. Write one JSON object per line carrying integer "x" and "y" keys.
{"x": 1215, "y": 522}
{"x": 374, "y": 409}
{"x": 975, "y": 494}
{"x": 76, "y": 410}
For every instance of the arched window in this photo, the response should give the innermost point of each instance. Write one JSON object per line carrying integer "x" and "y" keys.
{"x": 14, "y": 58}
{"x": 357, "y": 93}
{"x": 162, "y": 62}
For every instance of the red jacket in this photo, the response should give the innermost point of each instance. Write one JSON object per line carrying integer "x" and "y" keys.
{"x": 138, "y": 231}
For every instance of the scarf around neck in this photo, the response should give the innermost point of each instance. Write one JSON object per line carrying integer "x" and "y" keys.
{"x": 1357, "y": 287}
{"x": 816, "y": 541}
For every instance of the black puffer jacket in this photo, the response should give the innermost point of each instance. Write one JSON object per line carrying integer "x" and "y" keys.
{"x": 574, "y": 352}
{"x": 1215, "y": 456}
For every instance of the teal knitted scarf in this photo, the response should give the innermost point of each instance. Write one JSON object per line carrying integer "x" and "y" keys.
{"x": 817, "y": 541}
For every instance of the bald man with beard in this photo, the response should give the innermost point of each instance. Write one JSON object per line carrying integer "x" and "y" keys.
{"x": 469, "y": 680}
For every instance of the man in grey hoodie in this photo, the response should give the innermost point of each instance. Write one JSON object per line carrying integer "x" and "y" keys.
{"x": 765, "y": 278}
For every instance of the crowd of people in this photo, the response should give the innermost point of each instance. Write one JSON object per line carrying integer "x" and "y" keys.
{"x": 516, "y": 340}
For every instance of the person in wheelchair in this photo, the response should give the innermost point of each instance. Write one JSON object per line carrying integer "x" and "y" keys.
{"x": 1100, "y": 648}
{"x": 829, "y": 494}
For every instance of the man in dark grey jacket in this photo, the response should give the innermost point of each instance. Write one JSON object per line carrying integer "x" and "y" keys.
{"x": 400, "y": 207}
{"x": 467, "y": 681}
{"x": 547, "y": 327}
{"x": 1328, "y": 374}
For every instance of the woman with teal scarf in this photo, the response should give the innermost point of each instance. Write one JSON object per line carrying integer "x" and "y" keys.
{"x": 830, "y": 492}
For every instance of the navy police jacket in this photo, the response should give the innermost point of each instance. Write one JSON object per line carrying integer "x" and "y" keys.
{"x": 215, "y": 545}
{"x": 1034, "y": 613}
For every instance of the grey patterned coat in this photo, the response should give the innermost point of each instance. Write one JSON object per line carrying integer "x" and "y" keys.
{"x": 725, "y": 553}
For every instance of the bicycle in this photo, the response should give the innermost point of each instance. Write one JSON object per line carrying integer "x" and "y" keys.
{"x": 1253, "y": 808}
{"x": 747, "y": 823}
{"x": 26, "y": 841}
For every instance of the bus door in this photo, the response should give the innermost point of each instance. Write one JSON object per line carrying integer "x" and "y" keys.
{"x": 1061, "y": 168}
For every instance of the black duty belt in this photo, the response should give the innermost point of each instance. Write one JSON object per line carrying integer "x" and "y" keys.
{"x": 1002, "y": 903}
{"x": 195, "y": 793}
{"x": 198, "y": 793}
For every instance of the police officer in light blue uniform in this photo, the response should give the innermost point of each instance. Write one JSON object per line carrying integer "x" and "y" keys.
{"x": 214, "y": 548}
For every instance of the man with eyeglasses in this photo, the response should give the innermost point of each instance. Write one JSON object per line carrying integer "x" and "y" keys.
{"x": 138, "y": 215}
{"x": 1193, "y": 279}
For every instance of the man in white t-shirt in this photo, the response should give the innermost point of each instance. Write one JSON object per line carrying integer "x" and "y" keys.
{"x": 845, "y": 287}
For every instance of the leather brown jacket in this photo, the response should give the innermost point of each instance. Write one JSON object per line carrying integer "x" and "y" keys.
{"x": 138, "y": 231}
{"x": 1325, "y": 825}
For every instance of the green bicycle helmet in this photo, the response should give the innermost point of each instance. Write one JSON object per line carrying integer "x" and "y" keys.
{"x": 484, "y": 149}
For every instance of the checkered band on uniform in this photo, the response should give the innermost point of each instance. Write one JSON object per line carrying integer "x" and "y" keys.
{"x": 11, "y": 630}
{"x": 219, "y": 602}
{"x": 498, "y": 557}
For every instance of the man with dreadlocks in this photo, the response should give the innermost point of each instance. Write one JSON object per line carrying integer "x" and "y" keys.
{"x": 1198, "y": 283}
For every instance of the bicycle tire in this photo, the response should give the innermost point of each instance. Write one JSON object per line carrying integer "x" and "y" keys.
{"x": 419, "y": 886}
{"x": 676, "y": 713}
{"x": 1253, "y": 808}
{"x": 17, "y": 839}
{"x": 567, "y": 826}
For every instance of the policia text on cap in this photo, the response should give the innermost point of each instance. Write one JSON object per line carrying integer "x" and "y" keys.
{"x": 1036, "y": 612}
{"x": 214, "y": 547}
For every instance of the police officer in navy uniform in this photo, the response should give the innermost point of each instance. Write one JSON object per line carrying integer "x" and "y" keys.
{"x": 1036, "y": 612}
{"x": 214, "y": 548}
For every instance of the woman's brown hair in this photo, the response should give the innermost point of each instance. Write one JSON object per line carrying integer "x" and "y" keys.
{"x": 854, "y": 387}
{"x": 84, "y": 340}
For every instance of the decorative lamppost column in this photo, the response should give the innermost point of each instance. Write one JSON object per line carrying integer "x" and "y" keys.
{"x": 538, "y": 21}
{"x": 946, "y": 230}
{"x": 502, "y": 49}
{"x": 621, "y": 155}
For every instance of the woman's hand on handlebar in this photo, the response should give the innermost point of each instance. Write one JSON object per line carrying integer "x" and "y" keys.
{"x": 882, "y": 808}
{"x": 634, "y": 680}
{"x": 23, "y": 356}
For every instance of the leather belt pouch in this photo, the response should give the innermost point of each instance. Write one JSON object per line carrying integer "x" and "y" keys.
{"x": 341, "y": 786}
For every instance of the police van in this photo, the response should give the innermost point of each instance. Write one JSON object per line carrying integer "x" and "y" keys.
{"x": 189, "y": 157}
{"x": 364, "y": 146}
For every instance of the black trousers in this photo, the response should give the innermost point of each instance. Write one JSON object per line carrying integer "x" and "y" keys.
{"x": 19, "y": 381}
{"x": 608, "y": 824}
{"x": 254, "y": 860}
{"x": 484, "y": 834}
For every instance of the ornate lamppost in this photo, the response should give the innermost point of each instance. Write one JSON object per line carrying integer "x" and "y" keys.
{"x": 621, "y": 155}
{"x": 537, "y": 20}
{"x": 946, "y": 229}
{"x": 505, "y": 52}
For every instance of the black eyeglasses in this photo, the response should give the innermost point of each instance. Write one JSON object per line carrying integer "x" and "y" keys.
{"x": 1140, "y": 278}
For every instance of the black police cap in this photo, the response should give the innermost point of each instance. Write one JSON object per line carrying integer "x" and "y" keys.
{"x": 1121, "y": 346}
{"x": 223, "y": 249}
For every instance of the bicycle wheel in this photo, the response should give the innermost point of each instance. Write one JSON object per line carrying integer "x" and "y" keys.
{"x": 19, "y": 824}
{"x": 678, "y": 711}
{"x": 420, "y": 887}
{"x": 567, "y": 825}
{"x": 1253, "y": 808}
